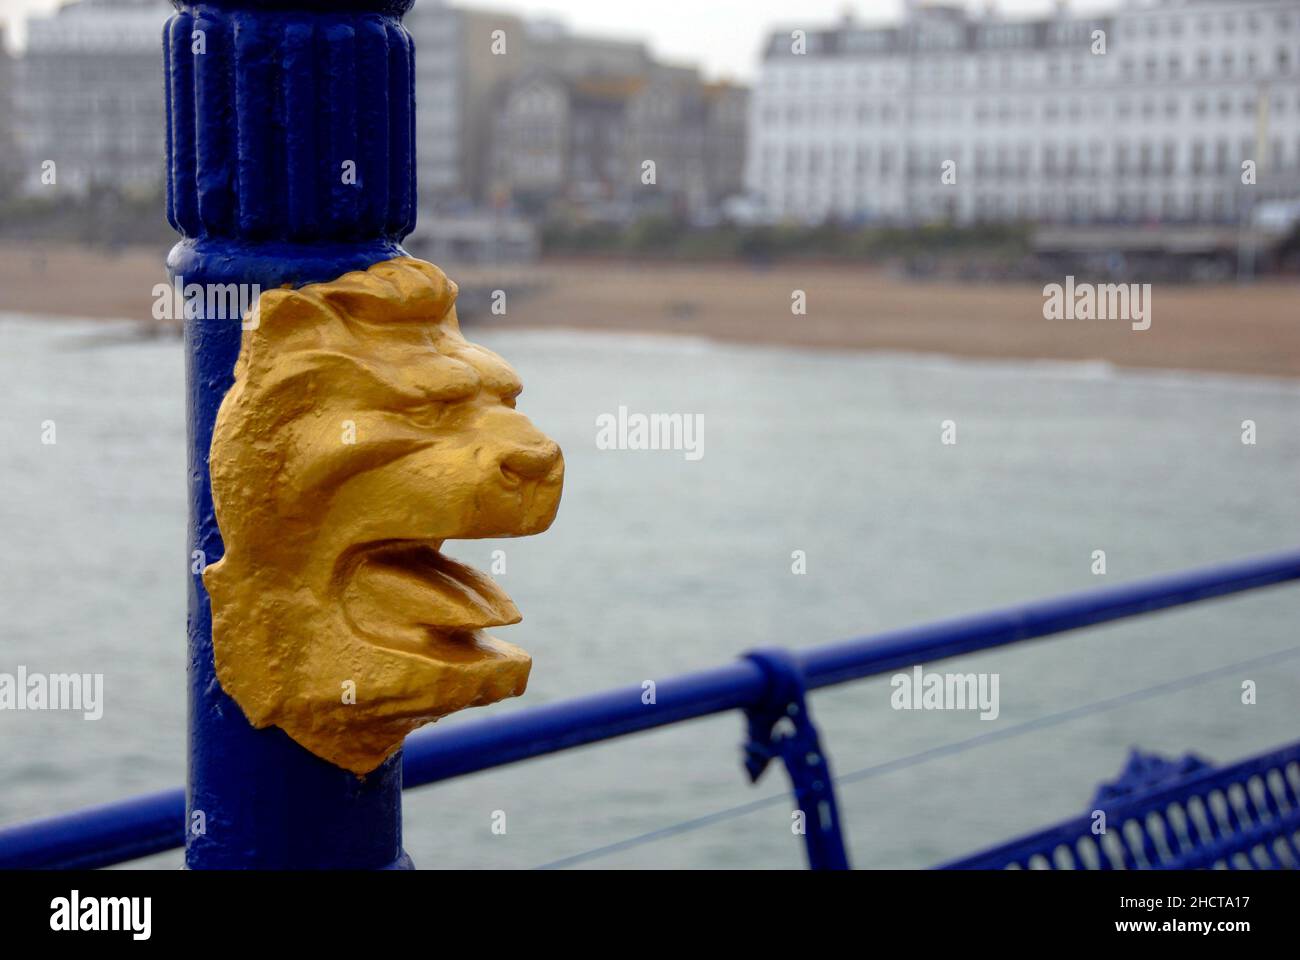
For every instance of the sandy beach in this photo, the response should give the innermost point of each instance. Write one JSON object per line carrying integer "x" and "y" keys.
{"x": 1225, "y": 328}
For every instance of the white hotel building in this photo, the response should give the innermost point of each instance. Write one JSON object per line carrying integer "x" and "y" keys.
{"x": 1040, "y": 127}
{"x": 90, "y": 96}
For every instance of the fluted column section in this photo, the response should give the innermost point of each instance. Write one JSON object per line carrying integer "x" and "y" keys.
{"x": 265, "y": 109}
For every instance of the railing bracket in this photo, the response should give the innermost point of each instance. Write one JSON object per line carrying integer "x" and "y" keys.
{"x": 780, "y": 726}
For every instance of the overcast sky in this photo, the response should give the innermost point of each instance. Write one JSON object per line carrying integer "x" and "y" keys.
{"x": 722, "y": 36}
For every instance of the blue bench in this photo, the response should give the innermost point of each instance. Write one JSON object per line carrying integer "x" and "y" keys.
{"x": 1172, "y": 815}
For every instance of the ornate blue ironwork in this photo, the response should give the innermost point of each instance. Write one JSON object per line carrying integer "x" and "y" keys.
{"x": 1242, "y": 816}
{"x": 1146, "y": 771}
{"x": 780, "y": 727}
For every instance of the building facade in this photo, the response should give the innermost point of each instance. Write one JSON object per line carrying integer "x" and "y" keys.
{"x": 89, "y": 96}
{"x": 1147, "y": 113}
{"x": 560, "y": 140}
{"x": 582, "y": 143}
{"x": 462, "y": 58}
{"x": 466, "y": 62}
{"x": 11, "y": 164}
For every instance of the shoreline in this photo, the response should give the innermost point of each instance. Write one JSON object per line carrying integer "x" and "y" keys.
{"x": 115, "y": 331}
{"x": 1251, "y": 331}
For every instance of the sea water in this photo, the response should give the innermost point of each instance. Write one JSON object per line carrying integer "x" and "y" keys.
{"x": 825, "y": 504}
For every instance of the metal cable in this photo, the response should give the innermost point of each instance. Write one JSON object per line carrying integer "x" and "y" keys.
{"x": 932, "y": 753}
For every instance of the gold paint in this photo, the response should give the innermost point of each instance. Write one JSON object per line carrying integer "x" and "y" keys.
{"x": 333, "y": 570}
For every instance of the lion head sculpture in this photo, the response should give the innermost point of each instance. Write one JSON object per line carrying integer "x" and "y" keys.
{"x": 361, "y": 432}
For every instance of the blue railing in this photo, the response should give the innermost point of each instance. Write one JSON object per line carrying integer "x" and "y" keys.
{"x": 1181, "y": 815}
{"x": 768, "y": 685}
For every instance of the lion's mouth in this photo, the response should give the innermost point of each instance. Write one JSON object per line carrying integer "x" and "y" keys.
{"x": 408, "y": 595}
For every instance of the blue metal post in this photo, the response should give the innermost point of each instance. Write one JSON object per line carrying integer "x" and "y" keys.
{"x": 268, "y": 102}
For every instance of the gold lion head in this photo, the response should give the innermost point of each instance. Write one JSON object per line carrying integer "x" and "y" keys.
{"x": 361, "y": 432}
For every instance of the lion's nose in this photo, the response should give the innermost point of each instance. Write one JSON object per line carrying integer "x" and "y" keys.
{"x": 531, "y": 463}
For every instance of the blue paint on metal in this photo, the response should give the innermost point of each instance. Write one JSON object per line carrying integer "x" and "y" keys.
{"x": 780, "y": 727}
{"x": 1146, "y": 771}
{"x": 902, "y": 648}
{"x": 266, "y": 102}
{"x": 97, "y": 836}
{"x": 1244, "y": 815}
{"x": 145, "y": 825}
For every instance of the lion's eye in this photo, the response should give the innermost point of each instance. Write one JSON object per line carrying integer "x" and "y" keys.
{"x": 432, "y": 411}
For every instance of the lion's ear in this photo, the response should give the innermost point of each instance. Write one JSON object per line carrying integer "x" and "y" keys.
{"x": 403, "y": 289}
{"x": 280, "y": 314}
{"x": 438, "y": 289}
{"x": 418, "y": 281}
